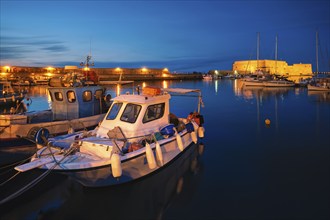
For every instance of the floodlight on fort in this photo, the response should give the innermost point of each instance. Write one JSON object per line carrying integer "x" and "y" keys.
{"x": 6, "y": 69}
{"x": 50, "y": 69}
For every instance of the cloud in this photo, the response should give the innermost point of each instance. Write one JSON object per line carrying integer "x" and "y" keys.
{"x": 13, "y": 47}
{"x": 55, "y": 48}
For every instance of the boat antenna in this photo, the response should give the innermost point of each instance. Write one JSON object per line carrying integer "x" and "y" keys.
{"x": 317, "y": 52}
{"x": 89, "y": 57}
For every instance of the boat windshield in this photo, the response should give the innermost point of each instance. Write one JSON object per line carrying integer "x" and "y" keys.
{"x": 131, "y": 112}
{"x": 115, "y": 108}
{"x": 154, "y": 112}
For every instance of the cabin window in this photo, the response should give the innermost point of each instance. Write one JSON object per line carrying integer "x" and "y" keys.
{"x": 154, "y": 112}
{"x": 58, "y": 96}
{"x": 130, "y": 113}
{"x": 115, "y": 108}
{"x": 98, "y": 94}
{"x": 71, "y": 96}
{"x": 87, "y": 96}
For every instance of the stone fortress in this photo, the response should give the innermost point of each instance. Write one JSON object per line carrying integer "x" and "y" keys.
{"x": 295, "y": 71}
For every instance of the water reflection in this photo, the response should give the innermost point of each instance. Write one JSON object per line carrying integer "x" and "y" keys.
{"x": 147, "y": 198}
{"x": 320, "y": 96}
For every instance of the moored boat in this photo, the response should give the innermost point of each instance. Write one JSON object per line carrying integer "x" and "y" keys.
{"x": 267, "y": 81}
{"x": 319, "y": 84}
{"x": 207, "y": 77}
{"x": 278, "y": 83}
{"x": 73, "y": 108}
{"x": 8, "y": 96}
{"x": 138, "y": 136}
{"x": 318, "y": 87}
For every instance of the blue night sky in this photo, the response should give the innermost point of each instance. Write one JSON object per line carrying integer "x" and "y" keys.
{"x": 183, "y": 36}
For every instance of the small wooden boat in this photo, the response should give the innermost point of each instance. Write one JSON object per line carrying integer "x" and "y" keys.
{"x": 137, "y": 137}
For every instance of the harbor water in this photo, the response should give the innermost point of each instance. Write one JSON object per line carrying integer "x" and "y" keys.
{"x": 265, "y": 155}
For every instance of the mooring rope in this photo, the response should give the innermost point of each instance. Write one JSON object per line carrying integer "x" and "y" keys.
{"x": 35, "y": 181}
{"x": 12, "y": 177}
{"x": 13, "y": 164}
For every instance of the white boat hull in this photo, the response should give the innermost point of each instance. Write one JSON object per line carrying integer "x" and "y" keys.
{"x": 89, "y": 170}
{"x": 267, "y": 83}
{"x": 278, "y": 84}
{"x": 253, "y": 83}
{"x": 318, "y": 88}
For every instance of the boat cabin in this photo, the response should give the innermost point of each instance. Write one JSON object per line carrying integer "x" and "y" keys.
{"x": 136, "y": 115}
{"x": 76, "y": 102}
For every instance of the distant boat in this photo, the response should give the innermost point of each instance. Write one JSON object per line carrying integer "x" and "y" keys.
{"x": 21, "y": 83}
{"x": 8, "y": 96}
{"x": 319, "y": 87}
{"x": 267, "y": 81}
{"x": 278, "y": 83}
{"x": 207, "y": 77}
{"x": 318, "y": 84}
{"x": 277, "y": 80}
{"x": 253, "y": 80}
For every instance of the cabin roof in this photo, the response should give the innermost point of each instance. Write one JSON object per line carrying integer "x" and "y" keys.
{"x": 141, "y": 99}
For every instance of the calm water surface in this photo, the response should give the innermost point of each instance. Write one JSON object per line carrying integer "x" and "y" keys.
{"x": 243, "y": 170}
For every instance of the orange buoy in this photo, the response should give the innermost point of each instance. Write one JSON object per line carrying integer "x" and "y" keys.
{"x": 267, "y": 121}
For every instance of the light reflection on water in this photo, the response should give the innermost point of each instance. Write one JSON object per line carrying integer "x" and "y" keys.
{"x": 248, "y": 170}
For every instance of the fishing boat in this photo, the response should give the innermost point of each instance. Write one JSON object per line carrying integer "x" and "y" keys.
{"x": 9, "y": 97}
{"x": 72, "y": 108}
{"x": 138, "y": 136}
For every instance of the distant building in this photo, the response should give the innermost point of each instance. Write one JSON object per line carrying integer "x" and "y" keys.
{"x": 273, "y": 67}
{"x": 44, "y": 73}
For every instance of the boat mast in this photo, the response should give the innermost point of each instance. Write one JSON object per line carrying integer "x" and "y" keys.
{"x": 276, "y": 54}
{"x": 258, "y": 41}
{"x": 317, "y": 53}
